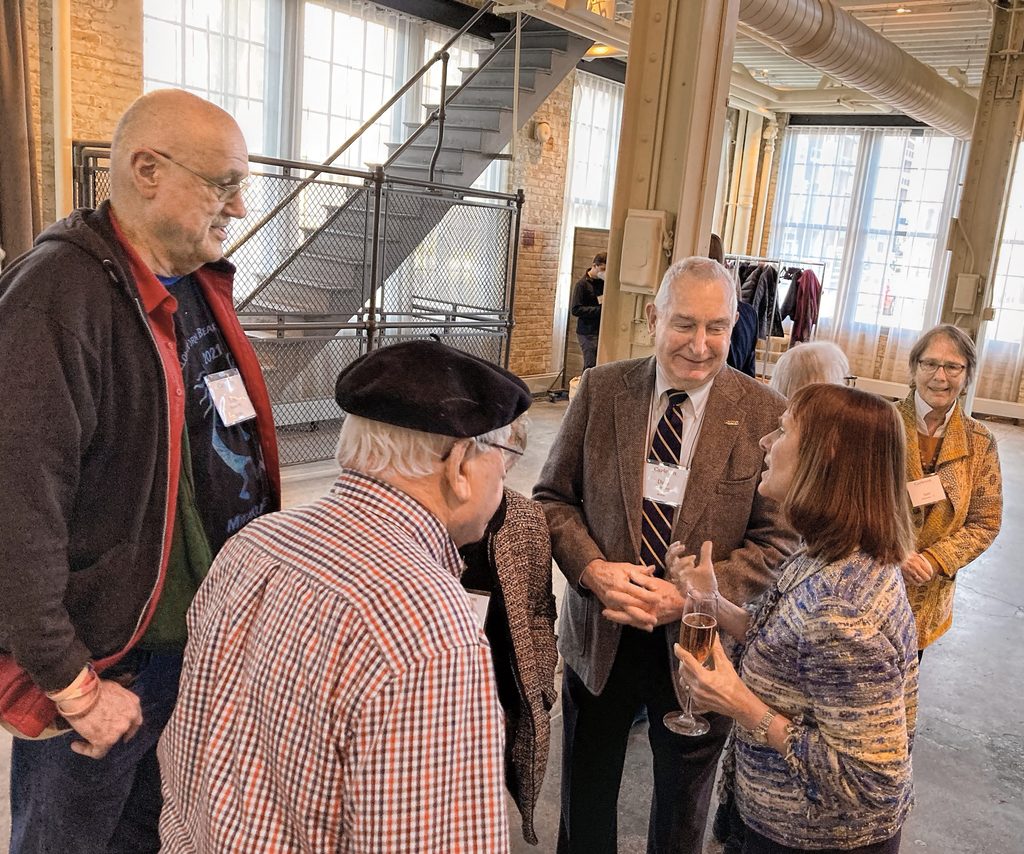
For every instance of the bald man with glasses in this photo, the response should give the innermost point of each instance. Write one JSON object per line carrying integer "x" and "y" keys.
{"x": 137, "y": 439}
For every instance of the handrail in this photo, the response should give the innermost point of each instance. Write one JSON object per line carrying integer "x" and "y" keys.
{"x": 445, "y": 101}
{"x": 363, "y": 128}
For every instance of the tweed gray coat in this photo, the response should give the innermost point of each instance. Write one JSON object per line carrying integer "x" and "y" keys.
{"x": 591, "y": 489}
{"x": 520, "y": 552}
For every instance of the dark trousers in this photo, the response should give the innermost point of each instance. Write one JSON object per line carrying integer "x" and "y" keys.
{"x": 63, "y": 803}
{"x": 755, "y": 843}
{"x": 596, "y": 732}
{"x": 588, "y": 344}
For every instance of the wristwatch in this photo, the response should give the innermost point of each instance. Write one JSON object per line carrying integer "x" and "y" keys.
{"x": 759, "y": 734}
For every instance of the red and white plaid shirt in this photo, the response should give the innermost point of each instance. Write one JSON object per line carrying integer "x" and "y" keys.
{"x": 337, "y": 693}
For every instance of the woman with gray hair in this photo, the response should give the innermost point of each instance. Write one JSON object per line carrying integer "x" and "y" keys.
{"x": 953, "y": 476}
{"x": 814, "y": 362}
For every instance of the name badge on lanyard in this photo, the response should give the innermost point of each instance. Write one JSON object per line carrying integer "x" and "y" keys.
{"x": 230, "y": 397}
{"x": 664, "y": 483}
{"x": 926, "y": 490}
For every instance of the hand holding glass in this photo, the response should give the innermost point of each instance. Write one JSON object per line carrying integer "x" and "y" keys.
{"x": 696, "y": 635}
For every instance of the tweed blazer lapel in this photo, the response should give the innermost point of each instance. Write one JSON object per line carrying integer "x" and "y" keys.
{"x": 718, "y": 434}
{"x": 632, "y": 409}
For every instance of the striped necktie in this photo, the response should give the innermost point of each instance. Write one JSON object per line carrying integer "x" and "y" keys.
{"x": 666, "y": 447}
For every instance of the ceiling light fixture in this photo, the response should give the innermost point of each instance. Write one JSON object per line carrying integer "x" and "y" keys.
{"x": 599, "y": 50}
{"x": 903, "y": 10}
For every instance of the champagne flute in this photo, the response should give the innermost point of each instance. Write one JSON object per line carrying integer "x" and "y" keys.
{"x": 697, "y": 636}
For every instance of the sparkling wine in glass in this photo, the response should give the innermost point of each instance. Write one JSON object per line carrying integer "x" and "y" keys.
{"x": 696, "y": 635}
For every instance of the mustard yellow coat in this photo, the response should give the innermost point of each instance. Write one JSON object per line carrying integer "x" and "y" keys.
{"x": 953, "y": 532}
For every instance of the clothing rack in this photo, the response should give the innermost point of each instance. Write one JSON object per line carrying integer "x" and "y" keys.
{"x": 781, "y": 264}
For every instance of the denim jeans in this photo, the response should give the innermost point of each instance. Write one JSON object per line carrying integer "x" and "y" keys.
{"x": 588, "y": 344}
{"x": 63, "y": 803}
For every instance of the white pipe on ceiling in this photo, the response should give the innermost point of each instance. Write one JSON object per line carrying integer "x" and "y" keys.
{"x": 831, "y": 40}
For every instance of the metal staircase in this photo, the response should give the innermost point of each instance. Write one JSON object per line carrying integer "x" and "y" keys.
{"x": 324, "y": 272}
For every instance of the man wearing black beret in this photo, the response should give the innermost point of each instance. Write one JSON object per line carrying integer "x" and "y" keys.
{"x": 337, "y": 692}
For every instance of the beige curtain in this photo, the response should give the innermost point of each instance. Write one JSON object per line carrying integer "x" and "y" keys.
{"x": 20, "y": 215}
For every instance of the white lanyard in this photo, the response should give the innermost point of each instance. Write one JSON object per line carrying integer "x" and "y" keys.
{"x": 665, "y": 483}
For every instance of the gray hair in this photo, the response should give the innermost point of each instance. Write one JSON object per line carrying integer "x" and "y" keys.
{"x": 814, "y": 362}
{"x": 701, "y": 269}
{"x": 377, "y": 448}
{"x": 957, "y": 337}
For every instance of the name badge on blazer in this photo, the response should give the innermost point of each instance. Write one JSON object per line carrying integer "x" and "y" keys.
{"x": 665, "y": 484}
{"x": 926, "y": 490}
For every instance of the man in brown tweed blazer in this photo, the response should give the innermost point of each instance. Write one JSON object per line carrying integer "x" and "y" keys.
{"x": 620, "y": 618}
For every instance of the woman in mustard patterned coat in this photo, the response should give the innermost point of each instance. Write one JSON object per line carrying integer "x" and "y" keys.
{"x": 956, "y": 525}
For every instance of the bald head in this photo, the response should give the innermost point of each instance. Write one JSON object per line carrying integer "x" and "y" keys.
{"x": 177, "y": 166}
{"x": 168, "y": 120}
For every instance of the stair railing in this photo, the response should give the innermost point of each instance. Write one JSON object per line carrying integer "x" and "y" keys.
{"x": 442, "y": 56}
{"x": 438, "y": 115}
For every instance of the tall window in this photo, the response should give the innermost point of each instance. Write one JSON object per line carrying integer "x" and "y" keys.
{"x": 216, "y": 49}
{"x": 873, "y": 206}
{"x": 354, "y": 58}
{"x": 302, "y": 77}
{"x": 1003, "y": 374}
{"x": 594, "y": 128}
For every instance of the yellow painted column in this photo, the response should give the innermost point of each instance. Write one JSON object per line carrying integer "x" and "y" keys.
{"x": 677, "y": 85}
{"x": 977, "y": 231}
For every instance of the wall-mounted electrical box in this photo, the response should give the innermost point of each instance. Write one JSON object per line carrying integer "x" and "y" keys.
{"x": 645, "y": 242}
{"x": 967, "y": 287}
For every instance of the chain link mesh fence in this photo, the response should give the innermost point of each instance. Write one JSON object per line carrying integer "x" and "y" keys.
{"x": 311, "y": 298}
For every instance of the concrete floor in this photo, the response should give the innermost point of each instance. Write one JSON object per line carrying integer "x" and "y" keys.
{"x": 969, "y": 754}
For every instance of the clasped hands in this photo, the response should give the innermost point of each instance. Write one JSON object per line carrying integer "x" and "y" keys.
{"x": 917, "y": 569}
{"x": 633, "y": 596}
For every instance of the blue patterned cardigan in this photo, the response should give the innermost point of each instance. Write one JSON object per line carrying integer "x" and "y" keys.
{"x": 837, "y": 655}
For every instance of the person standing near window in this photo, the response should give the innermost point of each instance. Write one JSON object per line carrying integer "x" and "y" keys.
{"x": 953, "y": 475}
{"x": 587, "y": 297}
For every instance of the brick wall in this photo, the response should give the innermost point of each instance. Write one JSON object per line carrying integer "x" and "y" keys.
{"x": 540, "y": 170}
{"x": 106, "y": 63}
{"x": 106, "y": 74}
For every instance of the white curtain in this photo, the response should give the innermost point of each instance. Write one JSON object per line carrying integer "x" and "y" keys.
{"x": 593, "y": 153}
{"x": 1003, "y": 355}
{"x": 873, "y": 206}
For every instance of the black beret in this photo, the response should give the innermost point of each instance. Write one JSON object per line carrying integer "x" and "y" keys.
{"x": 428, "y": 386}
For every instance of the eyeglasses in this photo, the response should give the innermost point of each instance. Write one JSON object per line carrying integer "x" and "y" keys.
{"x": 225, "y": 192}
{"x": 951, "y": 369}
{"x": 511, "y": 455}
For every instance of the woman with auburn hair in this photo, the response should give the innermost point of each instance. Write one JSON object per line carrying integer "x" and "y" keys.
{"x": 825, "y": 694}
{"x": 955, "y": 483}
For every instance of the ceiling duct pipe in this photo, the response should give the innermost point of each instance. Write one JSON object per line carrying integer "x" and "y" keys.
{"x": 831, "y": 40}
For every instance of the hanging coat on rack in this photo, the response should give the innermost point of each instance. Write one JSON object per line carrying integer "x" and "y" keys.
{"x": 802, "y": 304}
{"x": 766, "y": 303}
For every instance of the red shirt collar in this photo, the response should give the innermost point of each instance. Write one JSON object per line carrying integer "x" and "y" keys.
{"x": 151, "y": 290}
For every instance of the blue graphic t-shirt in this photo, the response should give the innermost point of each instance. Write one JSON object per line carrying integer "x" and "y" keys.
{"x": 231, "y": 483}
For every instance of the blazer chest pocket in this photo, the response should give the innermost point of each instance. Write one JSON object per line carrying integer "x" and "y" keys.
{"x": 736, "y": 487}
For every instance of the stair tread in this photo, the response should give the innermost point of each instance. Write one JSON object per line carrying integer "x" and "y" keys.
{"x": 471, "y": 107}
{"x": 429, "y": 146}
{"x": 501, "y": 87}
{"x": 469, "y": 69}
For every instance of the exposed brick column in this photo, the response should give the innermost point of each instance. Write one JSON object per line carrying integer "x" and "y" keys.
{"x": 541, "y": 171}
